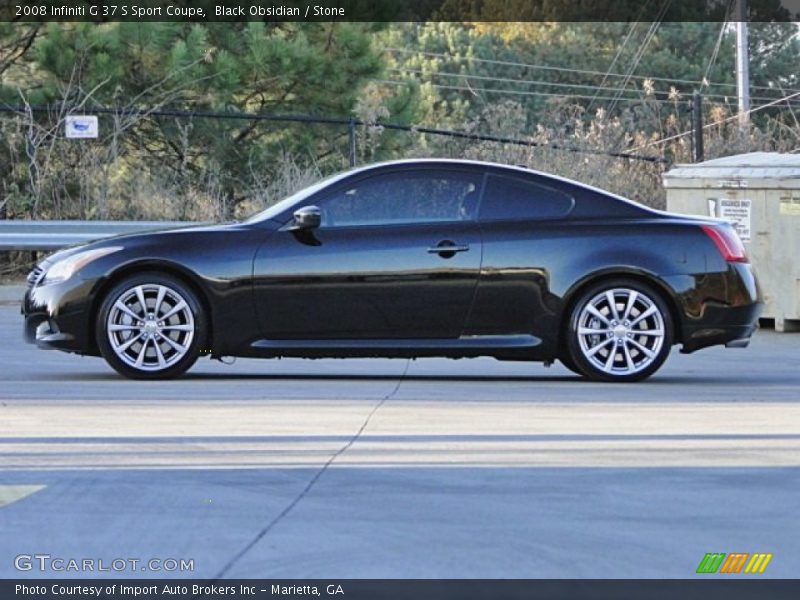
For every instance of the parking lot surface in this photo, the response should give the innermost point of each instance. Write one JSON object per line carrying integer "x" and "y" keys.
{"x": 393, "y": 468}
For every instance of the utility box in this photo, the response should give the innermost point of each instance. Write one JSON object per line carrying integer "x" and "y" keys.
{"x": 759, "y": 193}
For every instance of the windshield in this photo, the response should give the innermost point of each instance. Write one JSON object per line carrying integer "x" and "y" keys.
{"x": 276, "y": 209}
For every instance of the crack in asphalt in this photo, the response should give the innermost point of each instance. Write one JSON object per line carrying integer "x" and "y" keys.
{"x": 304, "y": 492}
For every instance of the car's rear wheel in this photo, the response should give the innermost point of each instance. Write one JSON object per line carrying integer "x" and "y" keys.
{"x": 619, "y": 330}
{"x": 151, "y": 326}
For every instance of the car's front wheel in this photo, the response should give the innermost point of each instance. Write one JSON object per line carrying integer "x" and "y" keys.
{"x": 151, "y": 326}
{"x": 619, "y": 330}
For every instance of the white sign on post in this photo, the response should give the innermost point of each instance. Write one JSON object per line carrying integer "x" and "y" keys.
{"x": 737, "y": 213}
{"x": 81, "y": 127}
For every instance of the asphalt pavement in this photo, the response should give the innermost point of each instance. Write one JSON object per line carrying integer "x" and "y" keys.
{"x": 393, "y": 468}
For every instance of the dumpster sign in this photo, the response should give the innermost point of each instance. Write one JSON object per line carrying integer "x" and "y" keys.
{"x": 736, "y": 211}
{"x": 790, "y": 205}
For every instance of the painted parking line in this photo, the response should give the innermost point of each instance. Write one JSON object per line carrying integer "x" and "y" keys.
{"x": 12, "y": 493}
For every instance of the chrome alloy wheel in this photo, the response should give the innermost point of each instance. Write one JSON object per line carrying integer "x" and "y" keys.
{"x": 150, "y": 327}
{"x": 621, "y": 331}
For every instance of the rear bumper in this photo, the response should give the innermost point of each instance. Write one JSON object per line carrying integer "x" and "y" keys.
{"x": 743, "y": 342}
{"x": 733, "y": 335}
{"x": 721, "y": 309}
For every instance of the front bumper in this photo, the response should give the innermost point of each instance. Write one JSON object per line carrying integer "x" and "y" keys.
{"x": 57, "y": 316}
{"x": 45, "y": 333}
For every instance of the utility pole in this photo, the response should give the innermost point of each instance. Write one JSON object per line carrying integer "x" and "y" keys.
{"x": 742, "y": 66}
{"x": 697, "y": 126}
{"x": 351, "y": 137}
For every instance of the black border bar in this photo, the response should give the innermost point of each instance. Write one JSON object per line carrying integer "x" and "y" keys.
{"x": 394, "y": 10}
{"x": 705, "y": 588}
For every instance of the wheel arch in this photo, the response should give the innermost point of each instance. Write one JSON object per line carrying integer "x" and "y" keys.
{"x": 578, "y": 288}
{"x": 185, "y": 276}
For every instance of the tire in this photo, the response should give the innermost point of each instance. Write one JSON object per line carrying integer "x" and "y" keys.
{"x": 569, "y": 364}
{"x": 628, "y": 342}
{"x": 161, "y": 341}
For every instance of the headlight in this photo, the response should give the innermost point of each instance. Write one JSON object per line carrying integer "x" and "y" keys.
{"x": 66, "y": 268}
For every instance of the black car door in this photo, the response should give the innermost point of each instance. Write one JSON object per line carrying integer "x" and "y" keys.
{"x": 397, "y": 255}
{"x": 525, "y": 232}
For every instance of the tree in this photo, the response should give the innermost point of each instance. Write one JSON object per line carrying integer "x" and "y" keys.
{"x": 215, "y": 67}
{"x": 464, "y": 67}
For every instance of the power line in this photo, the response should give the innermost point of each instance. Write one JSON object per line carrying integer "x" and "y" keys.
{"x": 631, "y": 29}
{"x": 720, "y": 122}
{"x": 474, "y": 90}
{"x": 640, "y": 52}
{"x": 717, "y": 46}
{"x": 564, "y": 69}
{"x": 505, "y": 79}
{"x": 420, "y": 72}
{"x": 794, "y": 116}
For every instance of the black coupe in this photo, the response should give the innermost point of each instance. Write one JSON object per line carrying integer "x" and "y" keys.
{"x": 408, "y": 259}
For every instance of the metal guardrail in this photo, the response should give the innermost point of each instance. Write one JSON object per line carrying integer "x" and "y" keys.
{"x": 52, "y": 235}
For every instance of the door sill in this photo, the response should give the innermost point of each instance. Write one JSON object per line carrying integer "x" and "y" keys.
{"x": 470, "y": 342}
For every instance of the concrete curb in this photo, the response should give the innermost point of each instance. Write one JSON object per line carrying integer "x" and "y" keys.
{"x": 11, "y": 294}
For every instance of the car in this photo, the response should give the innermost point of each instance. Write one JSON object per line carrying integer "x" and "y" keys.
{"x": 412, "y": 258}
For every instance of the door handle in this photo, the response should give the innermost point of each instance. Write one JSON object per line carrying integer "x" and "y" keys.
{"x": 448, "y": 248}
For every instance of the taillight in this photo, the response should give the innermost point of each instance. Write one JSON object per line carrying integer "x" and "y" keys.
{"x": 727, "y": 242}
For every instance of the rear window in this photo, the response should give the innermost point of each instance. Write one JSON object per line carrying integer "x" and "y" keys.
{"x": 516, "y": 199}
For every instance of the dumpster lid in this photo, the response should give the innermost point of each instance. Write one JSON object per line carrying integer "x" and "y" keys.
{"x": 753, "y": 165}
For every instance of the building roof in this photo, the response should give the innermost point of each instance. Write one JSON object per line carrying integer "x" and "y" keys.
{"x": 754, "y": 165}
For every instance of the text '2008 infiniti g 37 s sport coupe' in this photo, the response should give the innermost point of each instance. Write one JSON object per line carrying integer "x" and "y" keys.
{"x": 408, "y": 259}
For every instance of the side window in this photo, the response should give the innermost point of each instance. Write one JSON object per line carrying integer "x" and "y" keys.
{"x": 404, "y": 197}
{"x": 517, "y": 199}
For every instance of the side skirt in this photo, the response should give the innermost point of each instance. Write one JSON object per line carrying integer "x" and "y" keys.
{"x": 506, "y": 347}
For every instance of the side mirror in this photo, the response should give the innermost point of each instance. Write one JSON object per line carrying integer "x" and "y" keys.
{"x": 308, "y": 217}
